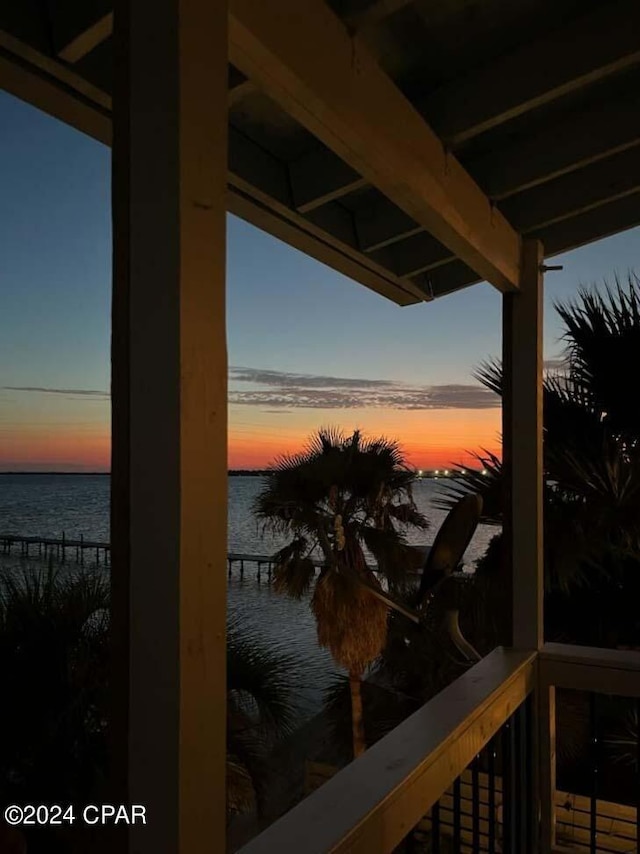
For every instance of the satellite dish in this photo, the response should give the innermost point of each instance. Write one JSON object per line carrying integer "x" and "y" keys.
{"x": 450, "y": 544}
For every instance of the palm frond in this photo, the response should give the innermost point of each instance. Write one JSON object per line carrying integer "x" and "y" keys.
{"x": 294, "y": 570}
{"x": 259, "y": 681}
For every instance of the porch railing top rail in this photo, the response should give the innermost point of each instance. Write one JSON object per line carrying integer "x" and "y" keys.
{"x": 375, "y": 801}
{"x": 584, "y": 668}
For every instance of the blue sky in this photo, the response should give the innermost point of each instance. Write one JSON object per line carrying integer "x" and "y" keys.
{"x": 286, "y": 313}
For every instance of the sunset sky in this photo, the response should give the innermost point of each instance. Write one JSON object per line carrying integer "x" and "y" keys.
{"x": 307, "y": 347}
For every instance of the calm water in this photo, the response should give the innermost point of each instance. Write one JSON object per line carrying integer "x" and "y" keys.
{"x": 47, "y": 505}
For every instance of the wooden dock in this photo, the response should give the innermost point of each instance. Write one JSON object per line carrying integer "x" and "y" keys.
{"x": 80, "y": 551}
{"x": 63, "y": 549}
{"x": 60, "y": 549}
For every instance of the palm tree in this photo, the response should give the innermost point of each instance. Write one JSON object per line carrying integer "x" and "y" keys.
{"x": 53, "y": 718}
{"x": 591, "y": 469}
{"x": 54, "y": 664}
{"x": 339, "y": 498}
{"x": 259, "y": 712}
{"x": 54, "y": 642}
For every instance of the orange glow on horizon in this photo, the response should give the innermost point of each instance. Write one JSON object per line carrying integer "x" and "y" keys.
{"x": 430, "y": 439}
{"x": 68, "y": 450}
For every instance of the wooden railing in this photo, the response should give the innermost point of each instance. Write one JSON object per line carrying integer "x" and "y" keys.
{"x": 412, "y": 777}
{"x": 585, "y": 823}
{"x": 373, "y": 803}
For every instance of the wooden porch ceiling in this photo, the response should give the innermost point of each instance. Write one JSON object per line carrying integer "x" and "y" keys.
{"x": 527, "y": 114}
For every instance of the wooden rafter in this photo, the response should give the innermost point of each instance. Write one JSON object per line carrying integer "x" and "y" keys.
{"x": 601, "y": 43}
{"x": 261, "y": 193}
{"x": 35, "y": 86}
{"x": 408, "y": 253}
{"x": 575, "y": 193}
{"x": 602, "y": 130}
{"x": 85, "y": 41}
{"x": 578, "y": 141}
{"x": 352, "y": 106}
{"x": 320, "y": 177}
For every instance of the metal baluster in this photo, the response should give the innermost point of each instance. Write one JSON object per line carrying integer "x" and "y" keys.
{"x": 492, "y": 795}
{"x": 456, "y": 814}
{"x": 637, "y": 705}
{"x": 507, "y": 789}
{"x": 435, "y": 828}
{"x": 593, "y": 730}
{"x": 475, "y": 804}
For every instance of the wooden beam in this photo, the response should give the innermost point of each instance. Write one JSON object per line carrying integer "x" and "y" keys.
{"x": 594, "y": 46}
{"x": 239, "y": 87}
{"x": 446, "y": 278}
{"x": 376, "y": 800}
{"x": 586, "y": 137}
{"x": 353, "y": 107}
{"x": 327, "y": 232}
{"x": 408, "y": 253}
{"x": 30, "y": 84}
{"x": 558, "y": 238}
{"x": 320, "y": 177}
{"x": 255, "y": 170}
{"x": 240, "y": 91}
{"x": 35, "y": 62}
{"x": 169, "y": 404}
{"x": 603, "y": 671}
{"x": 84, "y": 42}
{"x": 565, "y": 145}
{"x": 575, "y": 193}
{"x": 316, "y": 245}
{"x": 522, "y": 438}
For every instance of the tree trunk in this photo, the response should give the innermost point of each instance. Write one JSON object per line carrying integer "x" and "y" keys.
{"x": 357, "y": 719}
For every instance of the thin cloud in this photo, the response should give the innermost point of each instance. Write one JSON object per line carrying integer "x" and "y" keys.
{"x": 279, "y": 391}
{"x": 79, "y": 392}
{"x": 316, "y": 391}
{"x": 285, "y": 379}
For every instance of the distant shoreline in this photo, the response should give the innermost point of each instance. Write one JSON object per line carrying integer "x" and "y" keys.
{"x": 231, "y": 473}
{"x": 423, "y": 475}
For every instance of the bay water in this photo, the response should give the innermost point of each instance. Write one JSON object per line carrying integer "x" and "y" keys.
{"x": 46, "y": 505}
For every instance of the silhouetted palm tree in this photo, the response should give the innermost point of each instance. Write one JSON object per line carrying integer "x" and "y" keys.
{"x": 338, "y": 498}
{"x": 591, "y": 468}
{"x": 54, "y": 640}
{"x": 259, "y": 712}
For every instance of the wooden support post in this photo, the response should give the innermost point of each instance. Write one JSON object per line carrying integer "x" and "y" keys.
{"x": 523, "y": 473}
{"x": 169, "y": 420}
{"x": 547, "y": 764}
{"x": 522, "y": 453}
